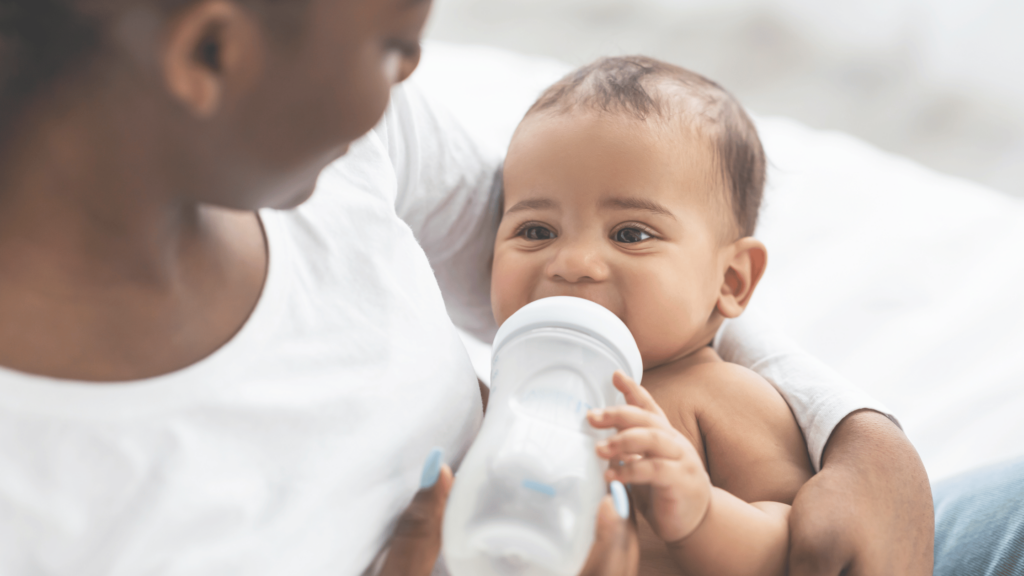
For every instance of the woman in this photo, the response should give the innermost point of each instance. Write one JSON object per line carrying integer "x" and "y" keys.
{"x": 192, "y": 386}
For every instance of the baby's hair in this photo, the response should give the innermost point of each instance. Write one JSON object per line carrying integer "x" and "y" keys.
{"x": 643, "y": 88}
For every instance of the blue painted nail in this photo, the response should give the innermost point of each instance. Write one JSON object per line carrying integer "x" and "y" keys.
{"x": 620, "y": 499}
{"x": 431, "y": 469}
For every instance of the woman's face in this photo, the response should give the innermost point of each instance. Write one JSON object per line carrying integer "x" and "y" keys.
{"x": 319, "y": 86}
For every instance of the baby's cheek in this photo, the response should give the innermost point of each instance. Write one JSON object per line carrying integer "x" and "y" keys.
{"x": 654, "y": 350}
{"x": 662, "y": 329}
{"x": 649, "y": 336}
{"x": 510, "y": 282}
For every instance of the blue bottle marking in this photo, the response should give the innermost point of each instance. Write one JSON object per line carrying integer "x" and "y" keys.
{"x": 545, "y": 489}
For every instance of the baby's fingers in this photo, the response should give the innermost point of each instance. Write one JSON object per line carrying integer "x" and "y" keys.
{"x": 626, "y": 417}
{"x": 636, "y": 395}
{"x": 658, "y": 472}
{"x": 646, "y": 442}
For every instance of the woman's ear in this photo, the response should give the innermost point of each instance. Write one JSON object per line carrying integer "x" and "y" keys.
{"x": 211, "y": 52}
{"x": 745, "y": 265}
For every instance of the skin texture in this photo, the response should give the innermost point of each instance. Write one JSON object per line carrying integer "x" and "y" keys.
{"x": 714, "y": 473}
{"x": 880, "y": 517}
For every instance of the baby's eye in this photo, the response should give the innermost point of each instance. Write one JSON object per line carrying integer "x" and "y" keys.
{"x": 631, "y": 235}
{"x": 537, "y": 233}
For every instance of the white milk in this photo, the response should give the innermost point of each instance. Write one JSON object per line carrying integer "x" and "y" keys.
{"x": 526, "y": 496}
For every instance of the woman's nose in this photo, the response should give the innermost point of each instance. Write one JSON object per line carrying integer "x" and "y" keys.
{"x": 578, "y": 262}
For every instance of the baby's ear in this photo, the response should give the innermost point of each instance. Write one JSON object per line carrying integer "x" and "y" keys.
{"x": 745, "y": 263}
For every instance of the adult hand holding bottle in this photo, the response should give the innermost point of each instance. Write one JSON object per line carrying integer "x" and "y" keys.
{"x": 416, "y": 541}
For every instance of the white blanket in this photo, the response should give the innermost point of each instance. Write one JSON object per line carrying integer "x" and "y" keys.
{"x": 906, "y": 281}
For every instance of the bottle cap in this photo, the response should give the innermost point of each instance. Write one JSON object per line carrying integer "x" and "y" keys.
{"x": 577, "y": 314}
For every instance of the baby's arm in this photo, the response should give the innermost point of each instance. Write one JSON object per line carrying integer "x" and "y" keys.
{"x": 708, "y": 529}
{"x": 754, "y": 453}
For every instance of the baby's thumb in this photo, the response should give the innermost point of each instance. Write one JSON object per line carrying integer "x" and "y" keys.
{"x": 416, "y": 541}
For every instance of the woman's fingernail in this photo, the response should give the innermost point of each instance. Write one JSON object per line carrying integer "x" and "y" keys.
{"x": 431, "y": 469}
{"x": 620, "y": 499}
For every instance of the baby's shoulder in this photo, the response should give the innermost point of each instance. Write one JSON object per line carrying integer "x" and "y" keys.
{"x": 724, "y": 382}
{"x": 721, "y": 393}
{"x": 753, "y": 445}
{"x": 706, "y": 381}
{"x": 749, "y": 440}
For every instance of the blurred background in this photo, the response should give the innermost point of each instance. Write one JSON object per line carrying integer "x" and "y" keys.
{"x": 939, "y": 81}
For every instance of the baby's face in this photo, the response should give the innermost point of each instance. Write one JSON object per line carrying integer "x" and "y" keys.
{"x": 618, "y": 212}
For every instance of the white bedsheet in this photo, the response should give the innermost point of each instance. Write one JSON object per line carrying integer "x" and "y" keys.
{"x": 907, "y": 281}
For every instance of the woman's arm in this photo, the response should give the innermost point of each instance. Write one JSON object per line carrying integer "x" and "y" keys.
{"x": 416, "y": 541}
{"x": 869, "y": 510}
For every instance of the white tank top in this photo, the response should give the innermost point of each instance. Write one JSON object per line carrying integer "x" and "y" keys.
{"x": 290, "y": 450}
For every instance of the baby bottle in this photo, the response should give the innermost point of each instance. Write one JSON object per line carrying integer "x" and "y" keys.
{"x": 525, "y": 498}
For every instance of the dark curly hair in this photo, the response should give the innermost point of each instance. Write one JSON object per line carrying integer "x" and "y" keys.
{"x": 643, "y": 88}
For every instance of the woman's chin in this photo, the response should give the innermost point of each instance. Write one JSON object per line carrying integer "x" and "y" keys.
{"x": 297, "y": 198}
{"x": 304, "y": 191}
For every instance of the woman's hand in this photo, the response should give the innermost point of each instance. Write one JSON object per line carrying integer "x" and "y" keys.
{"x": 416, "y": 541}
{"x": 671, "y": 484}
{"x": 869, "y": 510}
{"x": 616, "y": 551}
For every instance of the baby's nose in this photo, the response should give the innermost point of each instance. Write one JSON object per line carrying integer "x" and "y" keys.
{"x": 578, "y": 262}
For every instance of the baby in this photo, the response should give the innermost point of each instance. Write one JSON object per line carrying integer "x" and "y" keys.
{"x": 636, "y": 184}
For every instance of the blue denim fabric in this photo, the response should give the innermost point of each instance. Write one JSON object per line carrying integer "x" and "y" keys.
{"x": 979, "y": 522}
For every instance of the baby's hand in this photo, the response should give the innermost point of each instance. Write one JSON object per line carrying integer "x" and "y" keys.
{"x": 671, "y": 486}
